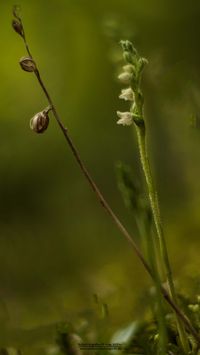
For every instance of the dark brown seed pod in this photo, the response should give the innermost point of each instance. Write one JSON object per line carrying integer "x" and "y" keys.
{"x": 17, "y": 26}
{"x": 27, "y": 64}
{"x": 39, "y": 122}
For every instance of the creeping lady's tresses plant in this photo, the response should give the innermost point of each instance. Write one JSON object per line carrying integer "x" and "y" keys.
{"x": 131, "y": 76}
{"x": 157, "y": 248}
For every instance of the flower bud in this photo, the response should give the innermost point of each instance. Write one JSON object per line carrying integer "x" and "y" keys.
{"x": 129, "y": 68}
{"x": 127, "y": 46}
{"x": 125, "y": 77}
{"x": 40, "y": 122}
{"x": 128, "y": 57}
{"x": 17, "y": 26}
{"x": 28, "y": 64}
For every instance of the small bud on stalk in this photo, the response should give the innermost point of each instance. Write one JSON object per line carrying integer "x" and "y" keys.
{"x": 27, "y": 64}
{"x": 40, "y": 121}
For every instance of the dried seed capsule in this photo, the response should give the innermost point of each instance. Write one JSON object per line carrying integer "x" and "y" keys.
{"x": 28, "y": 64}
{"x": 39, "y": 122}
{"x": 17, "y": 26}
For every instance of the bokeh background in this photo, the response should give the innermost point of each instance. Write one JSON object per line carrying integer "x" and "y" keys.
{"x": 57, "y": 245}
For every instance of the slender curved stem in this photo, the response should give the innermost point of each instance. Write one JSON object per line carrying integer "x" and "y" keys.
{"x": 163, "y": 253}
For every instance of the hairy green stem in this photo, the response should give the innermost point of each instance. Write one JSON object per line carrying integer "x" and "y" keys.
{"x": 141, "y": 136}
{"x": 150, "y": 252}
{"x": 159, "y": 309}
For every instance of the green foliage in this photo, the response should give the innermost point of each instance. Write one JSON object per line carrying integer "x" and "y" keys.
{"x": 134, "y": 197}
{"x": 137, "y": 337}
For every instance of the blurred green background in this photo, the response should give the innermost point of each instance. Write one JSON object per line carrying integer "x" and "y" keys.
{"x": 57, "y": 245}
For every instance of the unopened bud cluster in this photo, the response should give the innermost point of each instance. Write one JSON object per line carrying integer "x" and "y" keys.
{"x": 131, "y": 76}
